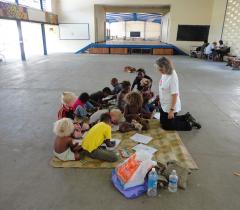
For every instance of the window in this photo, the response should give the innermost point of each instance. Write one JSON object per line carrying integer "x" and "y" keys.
{"x": 32, "y": 39}
{"x": 47, "y": 6}
{"x": 9, "y": 40}
{"x": 30, "y": 3}
{"x": 9, "y": 1}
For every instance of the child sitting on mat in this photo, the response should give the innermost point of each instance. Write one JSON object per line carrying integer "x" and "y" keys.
{"x": 66, "y": 110}
{"x": 64, "y": 148}
{"x": 96, "y": 136}
{"x": 126, "y": 85}
{"x": 134, "y": 111}
{"x": 80, "y": 127}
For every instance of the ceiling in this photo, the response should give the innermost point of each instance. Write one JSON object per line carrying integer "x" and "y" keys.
{"x": 112, "y": 17}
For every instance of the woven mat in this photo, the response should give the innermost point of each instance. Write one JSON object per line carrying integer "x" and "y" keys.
{"x": 168, "y": 143}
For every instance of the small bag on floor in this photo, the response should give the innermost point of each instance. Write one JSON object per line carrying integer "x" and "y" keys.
{"x": 132, "y": 171}
{"x": 182, "y": 173}
{"x": 129, "y": 193}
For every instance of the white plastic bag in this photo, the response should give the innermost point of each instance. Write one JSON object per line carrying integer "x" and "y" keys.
{"x": 132, "y": 171}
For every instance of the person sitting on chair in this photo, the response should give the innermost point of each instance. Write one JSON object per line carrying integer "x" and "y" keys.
{"x": 210, "y": 50}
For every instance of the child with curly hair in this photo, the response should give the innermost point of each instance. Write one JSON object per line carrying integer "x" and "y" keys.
{"x": 134, "y": 110}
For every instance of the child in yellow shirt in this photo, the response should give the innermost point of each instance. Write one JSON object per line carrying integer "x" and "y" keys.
{"x": 96, "y": 136}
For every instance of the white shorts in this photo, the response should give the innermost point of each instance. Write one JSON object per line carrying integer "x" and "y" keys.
{"x": 66, "y": 155}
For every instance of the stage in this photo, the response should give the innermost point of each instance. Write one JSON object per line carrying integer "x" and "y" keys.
{"x": 132, "y": 46}
{"x": 133, "y": 41}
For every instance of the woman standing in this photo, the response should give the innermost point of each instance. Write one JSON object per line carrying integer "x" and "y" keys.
{"x": 170, "y": 100}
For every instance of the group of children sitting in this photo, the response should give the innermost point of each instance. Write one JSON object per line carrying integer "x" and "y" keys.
{"x": 92, "y": 118}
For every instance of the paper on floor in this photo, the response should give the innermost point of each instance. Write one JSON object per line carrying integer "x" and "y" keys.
{"x": 141, "y": 138}
{"x": 142, "y": 147}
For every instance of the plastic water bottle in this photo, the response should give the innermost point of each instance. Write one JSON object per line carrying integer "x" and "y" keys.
{"x": 173, "y": 182}
{"x": 152, "y": 183}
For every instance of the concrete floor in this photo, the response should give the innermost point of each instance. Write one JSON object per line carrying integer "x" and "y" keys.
{"x": 29, "y": 99}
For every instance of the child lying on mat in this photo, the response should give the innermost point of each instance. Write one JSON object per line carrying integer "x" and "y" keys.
{"x": 96, "y": 136}
{"x": 97, "y": 98}
{"x": 64, "y": 148}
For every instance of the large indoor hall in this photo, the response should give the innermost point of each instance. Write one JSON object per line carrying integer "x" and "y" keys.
{"x": 109, "y": 104}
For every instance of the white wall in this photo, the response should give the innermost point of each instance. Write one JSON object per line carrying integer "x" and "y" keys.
{"x": 135, "y": 26}
{"x": 217, "y": 20}
{"x": 165, "y": 28}
{"x": 182, "y": 12}
{"x": 153, "y": 30}
{"x": 54, "y": 6}
{"x": 100, "y": 21}
{"x": 117, "y": 29}
{"x": 74, "y": 11}
{"x": 185, "y": 12}
{"x": 52, "y": 38}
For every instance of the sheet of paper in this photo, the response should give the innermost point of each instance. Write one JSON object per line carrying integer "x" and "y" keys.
{"x": 107, "y": 98}
{"x": 157, "y": 115}
{"x": 142, "y": 147}
{"x": 141, "y": 138}
{"x": 117, "y": 142}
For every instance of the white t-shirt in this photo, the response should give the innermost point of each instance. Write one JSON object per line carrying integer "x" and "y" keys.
{"x": 168, "y": 86}
{"x": 96, "y": 115}
{"x": 221, "y": 46}
{"x": 208, "y": 49}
